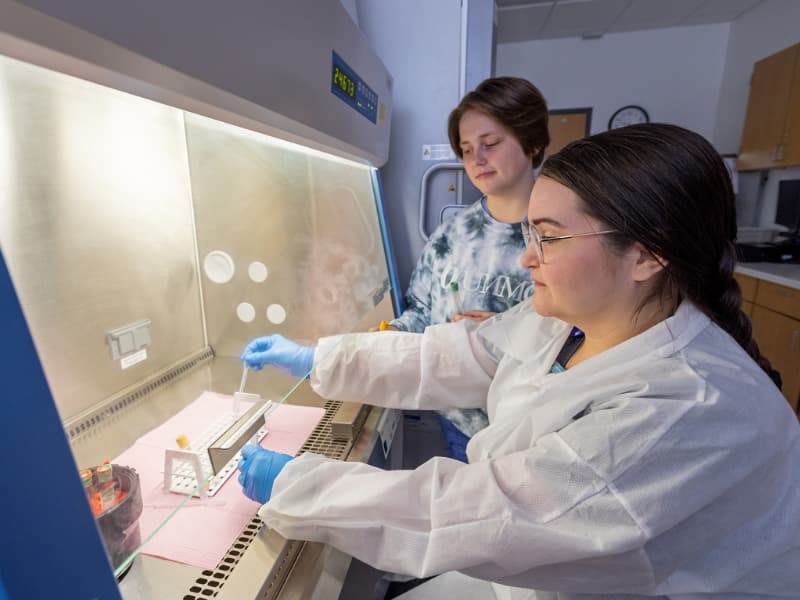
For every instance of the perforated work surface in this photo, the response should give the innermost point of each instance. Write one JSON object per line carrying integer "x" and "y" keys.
{"x": 209, "y": 583}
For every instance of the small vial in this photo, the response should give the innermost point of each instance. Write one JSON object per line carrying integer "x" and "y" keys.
{"x": 456, "y": 297}
{"x": 105, "y": 487}
{"x": 88, "y": 486}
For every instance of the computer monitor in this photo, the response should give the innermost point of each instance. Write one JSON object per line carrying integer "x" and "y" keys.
{"x": 788, "y": 212}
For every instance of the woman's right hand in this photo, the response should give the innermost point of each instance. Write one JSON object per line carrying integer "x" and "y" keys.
{"x": 285, "y": 355}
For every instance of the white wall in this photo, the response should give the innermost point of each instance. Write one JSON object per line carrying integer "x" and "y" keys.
{"x": 352, "y": 9}
{"x": 419, "y": 41}
{"x": 674, "y": 73}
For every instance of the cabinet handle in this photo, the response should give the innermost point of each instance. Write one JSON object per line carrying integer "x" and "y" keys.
{"x": 778, "y": 152}
{"x": 795, "y": 340}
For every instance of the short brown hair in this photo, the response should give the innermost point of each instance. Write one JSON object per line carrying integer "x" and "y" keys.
{"x": 514, "y": 102}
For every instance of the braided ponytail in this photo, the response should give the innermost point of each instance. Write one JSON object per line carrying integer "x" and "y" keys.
{"x": 723, "y": 304}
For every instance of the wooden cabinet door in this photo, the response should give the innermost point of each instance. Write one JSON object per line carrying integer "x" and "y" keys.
{"x": 767, "y": 107}
{"x": 566, "y": 126}
{"x": 748, "y": 286}
{"x": 791, "y": 134}
{"x": 780, "y": 298}
{"x": 778, "y": 338}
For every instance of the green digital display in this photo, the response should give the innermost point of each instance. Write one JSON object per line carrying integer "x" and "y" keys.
{"x": 343, "y": 82}
{"x": 350, "y": 87}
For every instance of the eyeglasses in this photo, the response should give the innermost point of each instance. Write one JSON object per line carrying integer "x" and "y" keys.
{"x": 535, "y": 240}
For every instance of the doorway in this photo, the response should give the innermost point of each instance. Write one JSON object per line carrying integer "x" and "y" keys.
{"x": 567, "y": 125}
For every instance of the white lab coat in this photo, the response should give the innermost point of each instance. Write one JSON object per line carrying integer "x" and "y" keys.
{"x": 666, "y": 466}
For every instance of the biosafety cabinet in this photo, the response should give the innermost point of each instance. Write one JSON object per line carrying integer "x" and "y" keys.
{"x": 176, "y": 179}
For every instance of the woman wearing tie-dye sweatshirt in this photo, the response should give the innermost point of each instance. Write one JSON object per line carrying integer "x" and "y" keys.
{"x": 500, "y": 132}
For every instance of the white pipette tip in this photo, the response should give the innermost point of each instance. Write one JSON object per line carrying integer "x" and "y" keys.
{"x": 244, "y": 379}
{"x": 241, "y": 389}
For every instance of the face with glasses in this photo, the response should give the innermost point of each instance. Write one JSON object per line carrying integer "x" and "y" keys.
{"x": 576, "y": 277}
{"x": 536, "y": 241}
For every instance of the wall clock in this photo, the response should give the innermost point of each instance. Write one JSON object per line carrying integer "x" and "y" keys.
{"x": 628, "y": 115}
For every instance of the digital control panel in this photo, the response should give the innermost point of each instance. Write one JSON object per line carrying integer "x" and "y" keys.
{"x": 347, "y": 85}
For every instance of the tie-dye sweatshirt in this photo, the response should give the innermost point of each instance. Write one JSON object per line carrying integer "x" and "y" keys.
{"x": 480, "y": 254}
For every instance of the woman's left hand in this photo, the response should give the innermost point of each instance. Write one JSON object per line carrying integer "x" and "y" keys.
{"x": 258, "y": 469}
{"x": 474, "y": 315}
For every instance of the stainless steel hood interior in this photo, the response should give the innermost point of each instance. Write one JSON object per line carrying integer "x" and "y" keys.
{"x": 125, "y": 162}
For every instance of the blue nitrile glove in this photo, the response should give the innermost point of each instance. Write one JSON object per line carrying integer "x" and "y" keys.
{"x": 275, "y": 350}
{"x": 258, "y": 469}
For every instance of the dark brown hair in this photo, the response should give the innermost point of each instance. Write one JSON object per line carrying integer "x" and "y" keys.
{"x": 668, "y": 189}
{"x": 514, "y": 102}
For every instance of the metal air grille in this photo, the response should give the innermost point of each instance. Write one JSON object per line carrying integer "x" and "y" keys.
{"x": 321, "y": 442}
{"x": 209, "y": 583}
{"x": 84, "y": 423}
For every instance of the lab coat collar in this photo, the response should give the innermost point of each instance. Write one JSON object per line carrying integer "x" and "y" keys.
{"x": 557, "y": 398}
{"x": 531, "y": 338}
{"x": 528, "y": 337}
{"x": 661, "y": 340}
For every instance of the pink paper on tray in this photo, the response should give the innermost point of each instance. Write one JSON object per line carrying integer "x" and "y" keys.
{"x": 201, "y": 531}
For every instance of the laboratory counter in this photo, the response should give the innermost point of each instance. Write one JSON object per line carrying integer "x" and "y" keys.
{"x": 259, "y": 562}
{"x": 771, "y": 298}
{"x": 787, "y": 274}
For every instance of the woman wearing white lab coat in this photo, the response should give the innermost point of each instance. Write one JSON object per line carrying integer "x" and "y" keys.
{"x": 661, "y": 462}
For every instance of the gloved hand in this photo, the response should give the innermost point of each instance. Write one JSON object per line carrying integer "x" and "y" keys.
{"x": 258, "y": 469}
{"x": 275, "y": 350}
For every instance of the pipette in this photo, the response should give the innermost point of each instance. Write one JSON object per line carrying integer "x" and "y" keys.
{"x": 456, "y": 298}
{"x": 244, "y": 379}
{"x": 241, "y": 389}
